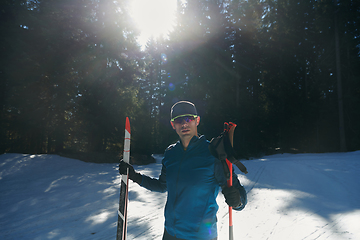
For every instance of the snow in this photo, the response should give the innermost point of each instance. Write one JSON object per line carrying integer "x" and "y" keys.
{"x": 290, "y": 196}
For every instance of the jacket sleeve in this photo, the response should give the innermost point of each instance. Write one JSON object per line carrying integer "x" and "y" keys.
{"x": 154, "y": 184}
{"x": 220, "y": 177}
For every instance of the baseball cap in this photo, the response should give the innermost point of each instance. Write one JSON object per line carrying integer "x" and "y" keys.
{"x": 182, "y": 108}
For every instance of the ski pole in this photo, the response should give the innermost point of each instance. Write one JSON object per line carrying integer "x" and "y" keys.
{"x": 230, "y": 128}
{"x": 229, "y": 184}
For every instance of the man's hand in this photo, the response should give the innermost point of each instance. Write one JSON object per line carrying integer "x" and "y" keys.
{"x": 232, "y": 196}
{"x": 134, "y": 176}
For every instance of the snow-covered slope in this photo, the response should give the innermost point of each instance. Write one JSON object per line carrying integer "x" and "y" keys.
{"x": 302, "y": 196}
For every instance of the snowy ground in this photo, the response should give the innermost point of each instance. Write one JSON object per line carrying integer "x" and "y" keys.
{"x": 302, "y": 196}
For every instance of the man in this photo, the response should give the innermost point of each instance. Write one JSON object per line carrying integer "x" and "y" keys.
{"x": 192, "y": 176}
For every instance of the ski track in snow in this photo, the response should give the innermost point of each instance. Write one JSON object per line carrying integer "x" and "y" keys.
{"x": 290, "y": 196}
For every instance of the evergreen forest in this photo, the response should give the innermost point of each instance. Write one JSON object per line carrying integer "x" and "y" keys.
{"x": 287, "y": 72}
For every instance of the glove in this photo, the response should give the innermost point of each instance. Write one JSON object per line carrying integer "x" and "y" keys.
{"x": 232, "y": 196}
{"x": 134, "y": 176}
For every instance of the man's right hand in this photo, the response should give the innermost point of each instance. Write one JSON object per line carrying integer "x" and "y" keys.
{"x": 134, "y": 176}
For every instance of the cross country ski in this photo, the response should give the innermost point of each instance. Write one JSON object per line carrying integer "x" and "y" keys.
{"x": 124, "y": 185}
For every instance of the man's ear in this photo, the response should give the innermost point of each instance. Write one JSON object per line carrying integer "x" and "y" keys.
{"x": 172, "y": 124}
{"x": 197, "y": 121}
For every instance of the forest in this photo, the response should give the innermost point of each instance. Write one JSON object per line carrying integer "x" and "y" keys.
{"x": 285, "y": 71}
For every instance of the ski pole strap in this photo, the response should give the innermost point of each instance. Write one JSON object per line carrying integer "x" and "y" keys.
{"x": 217, "y": 149}
{"x": 239, "y": 165}
{"x": 221, "y": 148}
{"x": 228, "y": 145}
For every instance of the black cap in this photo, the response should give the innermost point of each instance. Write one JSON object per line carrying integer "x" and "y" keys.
{"x": 182, "y": 108}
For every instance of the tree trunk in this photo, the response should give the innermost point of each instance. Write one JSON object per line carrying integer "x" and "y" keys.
{"x": 339, "y": 88}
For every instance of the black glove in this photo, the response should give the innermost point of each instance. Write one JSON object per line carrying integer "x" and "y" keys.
{"x": 134, "y": 176}
{"x": 232, "y": 196}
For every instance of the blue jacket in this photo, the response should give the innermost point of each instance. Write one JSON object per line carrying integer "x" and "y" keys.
{"x": 193, "y": 178}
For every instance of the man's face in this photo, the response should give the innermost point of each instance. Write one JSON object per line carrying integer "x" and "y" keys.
{"x": 185, "y": 127}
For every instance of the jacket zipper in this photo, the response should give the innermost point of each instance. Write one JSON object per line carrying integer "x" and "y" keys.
{"x": 176, "y": 192}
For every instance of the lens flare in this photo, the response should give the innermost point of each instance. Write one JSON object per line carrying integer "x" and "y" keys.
{"x": 208, "y": 226}
{"x": 171, "y": 87}
{"x": 163, "y": 58}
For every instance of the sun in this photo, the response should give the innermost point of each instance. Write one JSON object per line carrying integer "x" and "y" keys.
{"x": 153, "y": 17}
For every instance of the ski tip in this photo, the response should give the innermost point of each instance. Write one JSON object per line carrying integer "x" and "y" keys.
{"x": 127, "y": 124}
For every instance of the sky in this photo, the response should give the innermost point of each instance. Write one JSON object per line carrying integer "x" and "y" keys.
{"x": 153, "y": 17}
{"x": 290, "y": 196}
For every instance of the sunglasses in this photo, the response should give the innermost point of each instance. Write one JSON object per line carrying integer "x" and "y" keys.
{"x": 187, "y": 118}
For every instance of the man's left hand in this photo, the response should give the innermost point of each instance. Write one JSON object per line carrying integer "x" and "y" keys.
{"x": 232, "y": 196}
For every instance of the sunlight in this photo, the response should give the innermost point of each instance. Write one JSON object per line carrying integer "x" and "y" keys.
{"x": 99, "y": 218}
{"x": 347, "y": 221}
{"x": 153, "y": 18}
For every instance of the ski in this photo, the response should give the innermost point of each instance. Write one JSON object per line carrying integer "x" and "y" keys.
{"x": 124, "y": 185}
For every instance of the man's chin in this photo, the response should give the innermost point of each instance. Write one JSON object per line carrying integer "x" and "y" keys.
{"x": 186, "y": 134}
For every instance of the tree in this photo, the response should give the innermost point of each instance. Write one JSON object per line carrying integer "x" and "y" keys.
{"x": 80, "y": 60}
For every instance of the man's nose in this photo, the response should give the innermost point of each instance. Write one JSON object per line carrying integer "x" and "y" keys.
{"x": 184, "y": 122}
